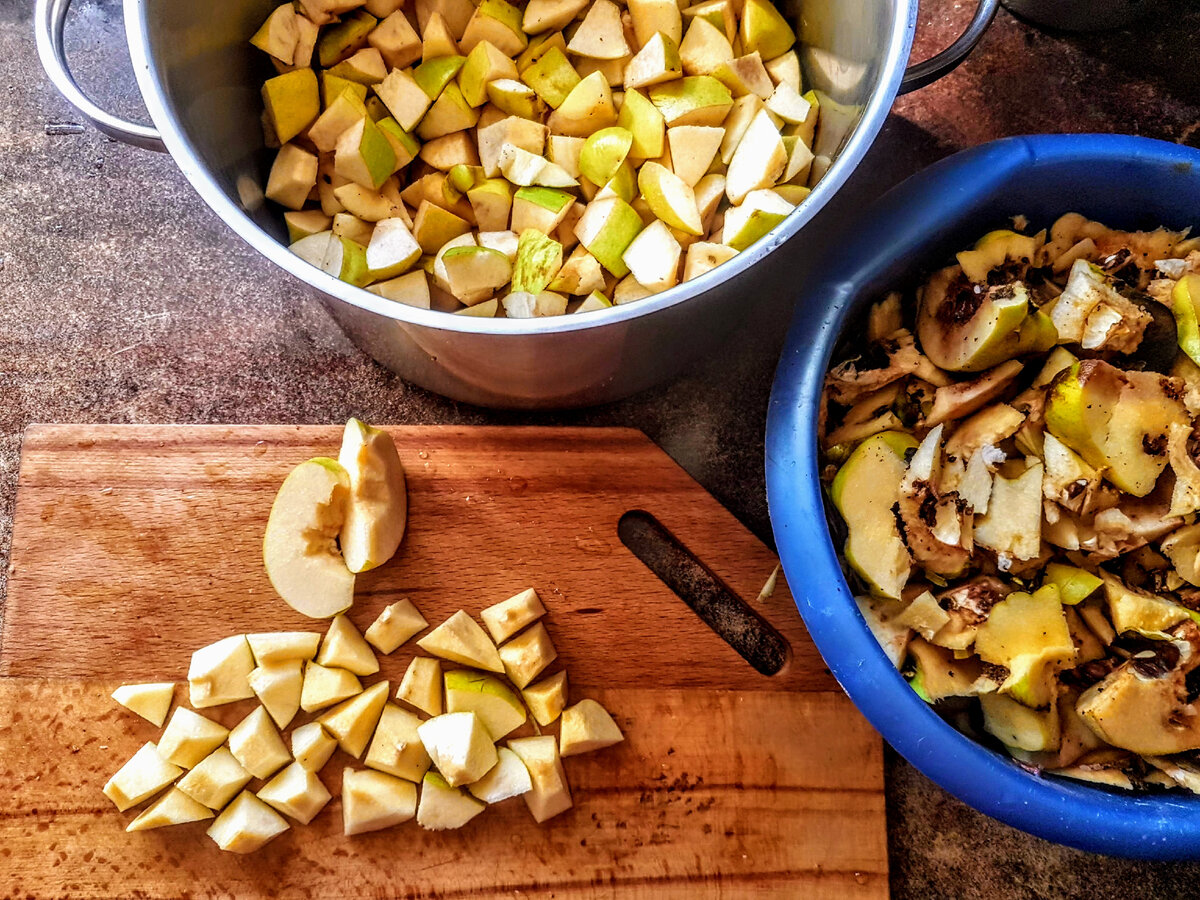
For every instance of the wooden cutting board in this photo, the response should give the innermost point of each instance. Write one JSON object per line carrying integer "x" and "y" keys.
{"x": 134, "y": 545}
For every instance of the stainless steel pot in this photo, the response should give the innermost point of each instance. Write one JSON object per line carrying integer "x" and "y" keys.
{"x": 200, "y": 81}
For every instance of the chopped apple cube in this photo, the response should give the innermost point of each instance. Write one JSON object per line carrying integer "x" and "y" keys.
{"x": 506, "y": 618}
{"x": 396, "y": 747}
{"x": 396, "y": 41}
{"x": 443, "y": 806}
{"x": 278, "y": 687}
{"x": 189, "y": 737}
{"x": 256, "y": 744}
{"x": 215, "y": 780}
{"x": 144, "y": 775}
{"x": 550, "y": 794}
{"x": 585, "y": 727}
{"x": 293, "y": 176}
{"x": 759, "y": 160}
{"x": 351, "y": 723}
{"x": 459, "y": 746}
{"x": 546, "y": 698}
{"x": 150, "y": 701}
{"x": 312, "y": 746}
{"x": 421, "y": 686}
{"x": 588, "y": 108}
{"x": 344, "y": 648}
{"x": 656, "y": 62}
{"x": 394, "y": 626}
{"x": 405, "y": 99}
{"x": 220, "y": 672}
{"x": 411, "y": 289}
{"x": 461, "y": 640}
{"x": 524, "y": 305}
{"x": 246, "y": 825}
{"x": 704, "y": 257}
{"x": 508, "y": 778}
{"x": 497, "y": 22}
{"x": 277, "y": 646}
{"x": 296, "y": 792}
{"x": 653, "y": 258}
{"x": 173, "y": 808}
{"x": 375, "y": 800}
{"x": 324, "y": 687}
{"x": 527, "y": 654}
{"x": 498, "y": 708}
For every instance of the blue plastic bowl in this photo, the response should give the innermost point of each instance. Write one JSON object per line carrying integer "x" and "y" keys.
{"x": 1125, "y": 182}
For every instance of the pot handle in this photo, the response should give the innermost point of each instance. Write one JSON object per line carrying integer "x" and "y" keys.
{"x": 48, "y": 20}
{"x": 927, "y": 72}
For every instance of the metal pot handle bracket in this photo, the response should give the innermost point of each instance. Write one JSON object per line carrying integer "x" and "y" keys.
{"x": 927, "y": 72}
{"x": 48, "y": 20}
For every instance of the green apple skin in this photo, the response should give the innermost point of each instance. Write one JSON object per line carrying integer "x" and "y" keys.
{"x": 606, "y": 230}
{"x": 603, "y": 153}
{"x": 1185, "y": 304}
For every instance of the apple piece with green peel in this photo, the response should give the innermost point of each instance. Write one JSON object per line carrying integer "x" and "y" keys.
{"x": 498, "y": 708}
{"x": 396, "y": 40}
{"x": 372, "y": 801}
{"x": 174, "y": 808}
{"x": 352, "y": 722}
{"x": 1130, "y": 609}
{"x": 256, "y": 745}
{"x": 607, "y": 227}
{"x": 492, "y": 202}
{"x": 344, "y": 648}
{"x": 189, "y": 737}
{"x": 459, "y": 746}
{"x": 764, "y": 29}
{"x": 1110, "y": 418}
{"x": 546, "y": 698}
{"x": 506, "y": 618}
{"x": 604, "y": 152}
{"x": 585, "y": 727}
{"x": 552, "y": 77}
{"x": 527, "y": 654}
{"x": 653, "y": 258}
{"x": 293, "y": 176}
{"x": 333, "y": 86}
{"x": 345, "y": 110}
{"x": 474, "y": 273}
{"x": 396, "y": 747}
{"x": 300, "y": 548}
{"x": 496, "y": 21}
{"x": 864, "y": 491}
{"x": 411, "y": 289}
{"x": 461, "y": 640}
{"x": 760, "y": 212}
{"x": 150, "y": 701}
{"x": 758, "y": 161}
{"x": 1185, "y": 305}
{"x": 324, "y": 687}
{"x": 538, "y": 260}
{"x": 392, "y": 251}
{"x": 405, "y": 99}
{"x": 434, "y": 227}
{"x": 516, "y": 98}
{"x": 144, "y": 775}
{"x": 215, "y": 780}
{"x": 600, "y": 35}
{"x": 296, "y": 792}
{"x": 799, "y": 165}
{"x": 693, "y": 149}
{"x": 588, "y": 108}
{"x": 218, "y": 673}
{"x": 433, "y": 76}
{"x": 395, "y": 625}
{"x": 365, "y": 66}
{"x": 292, "y": 101}
{"x": 246, "y": 825}
{"x": 745, "y": 75}
{"x": 623, "y": 184}
{"x": 965, "y": 329}
{"x": 346, "y": 37}
{"x": 593, "y": 302}
{"x": 305, "y": 223}
{"x": 540, "y": 208}
{"x": 514, "y": 130}
{"x": 437, "y": 39}
{"x": 485, "y": 64}
{"x": 550, "y": 794}
{"x": 658, "y": 61}
{"x": 505, "y": 242}
{"x": 692, "y": 100}
{"x": 457, "y": 14}
{"x": 704, "y": 48}
{"x": 671, "y": 199}
{"x": 312, "y": 746}
{"x": 279, "y": 34}
{"x": 1028, "y": 635}
{"x": 444, "y": 807}
{"x": 704, "y": 257}
{"x": 1017, "y": 726}
{"x": 508, "y": 778}
{"x": 642, "y": 119}
{"x": 1074, "y": 584}
{"x": 721, "y": 14}
{"x": 421, "y": 686}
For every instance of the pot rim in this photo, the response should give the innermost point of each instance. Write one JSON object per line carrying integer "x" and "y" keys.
{"x": 899, "y": 43}
{"x": 1159, "y": 826}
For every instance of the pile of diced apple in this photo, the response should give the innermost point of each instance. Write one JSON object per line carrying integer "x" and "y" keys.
{"x": 498, "y": 160}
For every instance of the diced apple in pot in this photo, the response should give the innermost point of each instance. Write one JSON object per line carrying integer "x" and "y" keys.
{"x": 293, "y": 176}
{"x": 411, "y": 289}
{"x": 653, "y": 258}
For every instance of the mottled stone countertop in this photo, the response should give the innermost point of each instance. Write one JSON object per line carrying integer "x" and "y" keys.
{"x": 123, "y": 299}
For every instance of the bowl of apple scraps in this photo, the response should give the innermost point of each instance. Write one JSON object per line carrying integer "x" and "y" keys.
{"x": 539, "y": 203}
{"x": 1007, "y": 459}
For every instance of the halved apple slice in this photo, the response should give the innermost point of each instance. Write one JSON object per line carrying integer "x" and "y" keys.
{"x": 300, "y": 549}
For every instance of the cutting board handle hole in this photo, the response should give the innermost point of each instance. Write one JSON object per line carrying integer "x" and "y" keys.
{"x": 705, "y": 594}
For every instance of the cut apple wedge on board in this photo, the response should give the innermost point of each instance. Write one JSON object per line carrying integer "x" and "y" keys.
{"x": 300, "y": 548}
{"x": 377, "y": 512}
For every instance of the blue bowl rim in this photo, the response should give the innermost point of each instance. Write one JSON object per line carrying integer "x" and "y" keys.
{"x": 1090, "y": 818}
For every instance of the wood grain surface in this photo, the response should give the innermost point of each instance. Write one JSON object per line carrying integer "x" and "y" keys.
{"x": 134, "y": 545}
